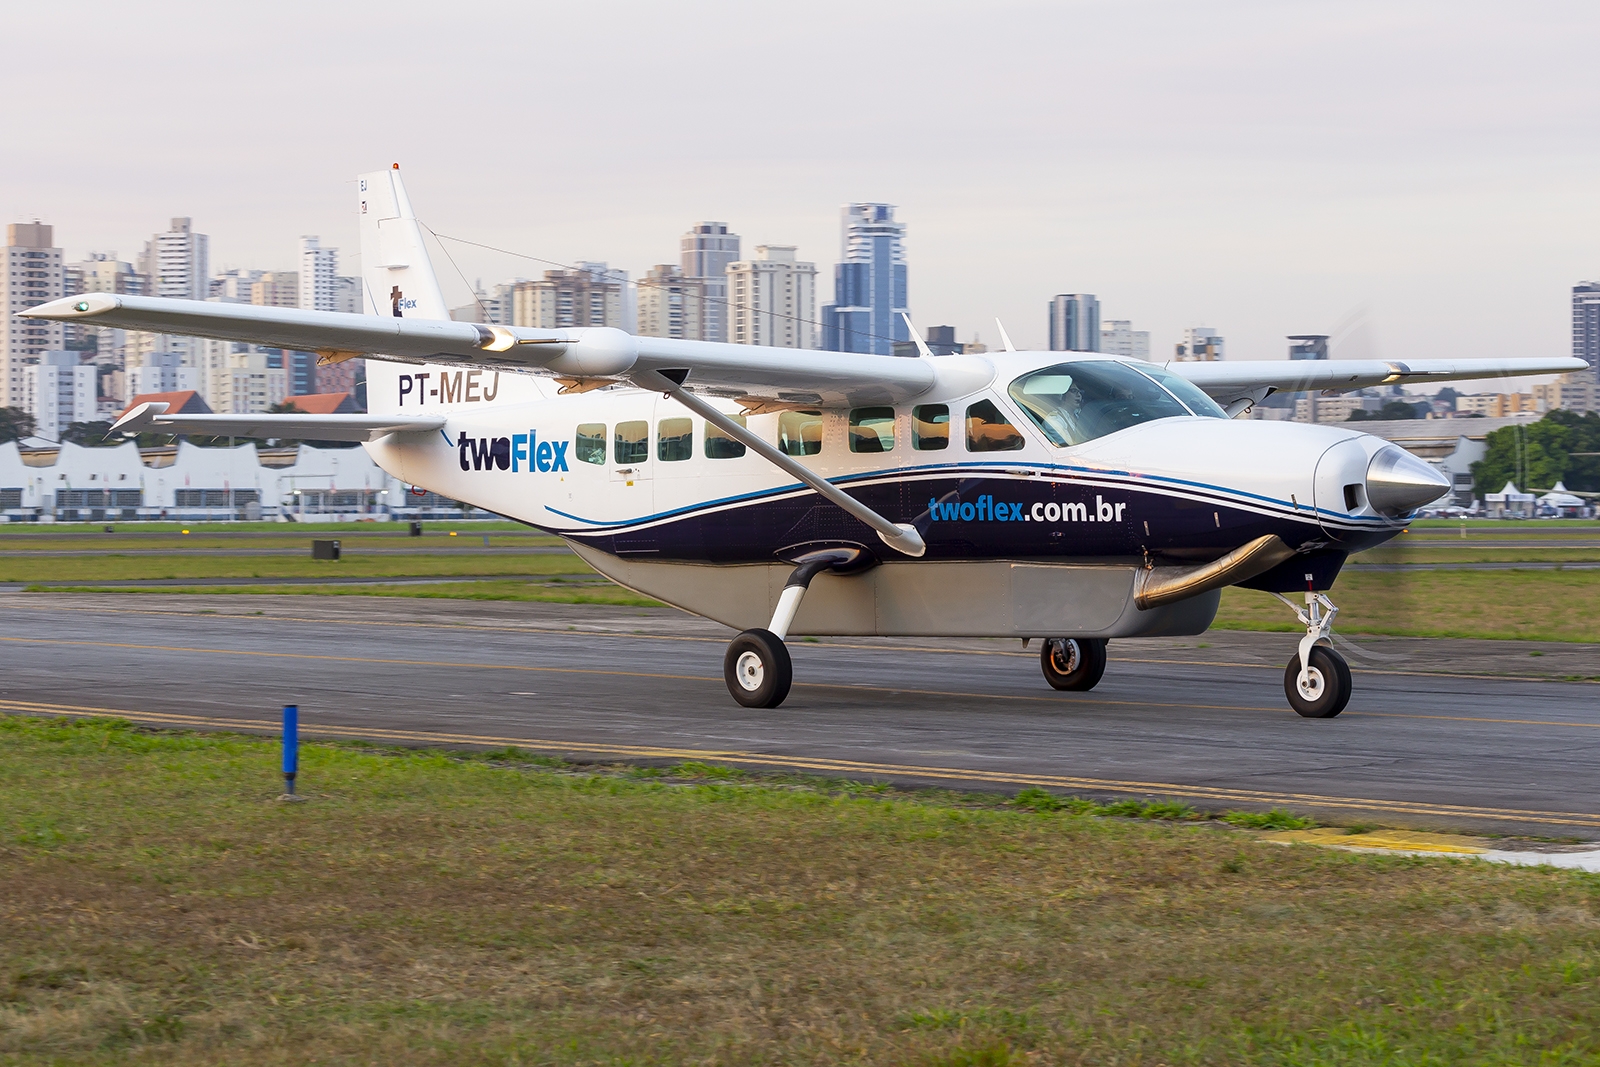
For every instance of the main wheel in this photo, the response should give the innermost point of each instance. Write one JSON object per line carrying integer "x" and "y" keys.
{"x": 757, "y": 669}
{"x": 1327, "y": 688}
{"x": 1074, "y": 663}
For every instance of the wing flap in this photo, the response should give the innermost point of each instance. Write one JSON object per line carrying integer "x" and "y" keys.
{"x": 151, "y": 417}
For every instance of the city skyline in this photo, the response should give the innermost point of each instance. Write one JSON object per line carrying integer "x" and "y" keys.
{"x": 1421, "y": 171}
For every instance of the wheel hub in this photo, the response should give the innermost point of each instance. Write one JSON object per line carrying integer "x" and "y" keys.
{"x": 750, "y": 671}
{"x": 1311, "y": 683}
{"x": 1064, "y": 654}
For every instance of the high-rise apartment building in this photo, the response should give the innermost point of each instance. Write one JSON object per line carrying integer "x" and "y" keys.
{"x": 58, "y": 391}
{"x": 33, "y": 275}
{"x": 276, "y": 289}
{"x": 1200, "y": 343}
{"x": 772, "y": 299}
{"x": 178, "y": 264}
{"x": 103, "y": 272}
{"x": 1119, "y": 338}
{"x": 319, "y": 271}
{"x": 869, "y": 283}
{"x": 671, "y": 305}
{"x": 1581, "y": 391}
{"x": 589, "y": 296}
{"x": 703, "y": 256}
{"x": 347, "y": 296}
{"x": 1075, "y": 323}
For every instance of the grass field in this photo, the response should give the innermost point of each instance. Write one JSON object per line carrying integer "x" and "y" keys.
{"x": 551, "y": 591}
{"x": 160, "y": 906}
{"x": 1535, "y": 605}
{"x": 1525, "y": 605}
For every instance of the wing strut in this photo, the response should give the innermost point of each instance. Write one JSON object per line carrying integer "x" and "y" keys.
{"x": 900, "y": 536}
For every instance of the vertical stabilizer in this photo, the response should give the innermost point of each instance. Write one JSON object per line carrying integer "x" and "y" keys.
{"x": 395, "y": 270}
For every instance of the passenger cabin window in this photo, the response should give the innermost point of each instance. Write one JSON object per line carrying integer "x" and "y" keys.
{"x": 872, "y": 430}
{"x": 1077, "y": 402}
{"x": 674, "y": 440}
{"x": 800, "y": 433}
{"x": 990, "y": 431}
{"x": 632, "y": 442}
{"x": 590, "y": 446}
{"x": 719, "y": 445}
{"x": 930, "y": 427}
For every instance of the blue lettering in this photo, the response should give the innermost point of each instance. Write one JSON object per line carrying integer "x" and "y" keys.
{"x": 519, "y": 450}
{"x": 560, "y": 463}
{"x": 544, "y": 455}
{"x": 502, "y": 453}
{"x": 968, "y": 512}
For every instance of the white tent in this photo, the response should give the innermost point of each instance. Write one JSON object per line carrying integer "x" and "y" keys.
{"x": 1508, "y": 501}
{"x": 1561, "y": 500}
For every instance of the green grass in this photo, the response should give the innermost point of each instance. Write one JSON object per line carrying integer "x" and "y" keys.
{"x": 160, "y": 906}
{"x": 1523, "y": 605}
{"x": 112, "y": 567}
{"x": 546, "y": 592}
{"x": 306, "y": 529}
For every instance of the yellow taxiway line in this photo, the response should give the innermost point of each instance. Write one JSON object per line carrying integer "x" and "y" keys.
{"x": 839, "y": 767}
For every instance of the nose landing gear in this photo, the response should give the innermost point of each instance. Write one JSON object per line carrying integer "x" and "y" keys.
{"x": 1317, "y": 680}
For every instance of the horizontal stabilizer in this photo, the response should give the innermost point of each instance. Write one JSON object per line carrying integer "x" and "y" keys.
{"x": 151, "y": 417}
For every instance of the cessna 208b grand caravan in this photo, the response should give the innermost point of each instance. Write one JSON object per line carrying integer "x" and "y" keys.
{"x": 1072, "y": 497}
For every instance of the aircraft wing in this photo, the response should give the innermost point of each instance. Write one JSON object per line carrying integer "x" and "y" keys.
{"x": 1227, "y": 381}
{"x": 579, "y": 357}
{"x": 151, "y": 417}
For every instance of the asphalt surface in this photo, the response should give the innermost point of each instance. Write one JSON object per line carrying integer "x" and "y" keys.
{"x": 1468, "y": 735}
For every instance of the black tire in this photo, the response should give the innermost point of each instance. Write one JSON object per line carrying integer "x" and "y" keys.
{"x": 1332, "y": 676}
{"x": 1073, "y": 663}
{"x": 757, "y": 669}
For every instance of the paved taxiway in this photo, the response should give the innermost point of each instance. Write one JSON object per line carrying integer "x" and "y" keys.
{"x": 1203, "y": 719}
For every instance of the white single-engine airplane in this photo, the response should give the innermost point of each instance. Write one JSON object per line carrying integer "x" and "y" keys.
{"x": 1073, "y": 497}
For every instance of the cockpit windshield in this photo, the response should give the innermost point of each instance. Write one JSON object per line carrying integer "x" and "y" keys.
{"x": 1077, "y": 402}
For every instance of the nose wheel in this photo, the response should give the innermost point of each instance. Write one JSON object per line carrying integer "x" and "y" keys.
{"x": 1073, "y": 663}
{"x": 1317, "y": 680}
{"x": 1321, "y": 690}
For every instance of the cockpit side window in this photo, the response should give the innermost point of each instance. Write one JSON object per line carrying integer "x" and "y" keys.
{"x": 1076, "y": 402}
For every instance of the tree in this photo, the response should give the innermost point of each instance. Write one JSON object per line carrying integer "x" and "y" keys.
{"x": 285, "y": 407}
{"x": 1539, "y": 454}
{"x": 90, "y": 435}
{"x": 15, "y": 424}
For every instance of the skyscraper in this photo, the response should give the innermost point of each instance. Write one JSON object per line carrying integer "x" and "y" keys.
{"x": 703, "y": 255}
{"x": 1075, "y": 323}
{"x": 32, "y": 275}
{"x": 869, "y": 283}
{"x": 772, "y": 299}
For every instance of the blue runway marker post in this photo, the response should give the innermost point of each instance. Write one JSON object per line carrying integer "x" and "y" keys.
{"x": 291, "y": 745}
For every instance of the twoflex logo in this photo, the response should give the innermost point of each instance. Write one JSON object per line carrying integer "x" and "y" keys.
{"x": 987, "y": 509}
{"x": 513, "y": 453}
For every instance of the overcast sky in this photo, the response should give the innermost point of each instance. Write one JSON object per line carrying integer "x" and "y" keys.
{"x": 1418, "y": 179}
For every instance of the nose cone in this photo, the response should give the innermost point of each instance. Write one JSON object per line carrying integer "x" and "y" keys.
{"x": 1399, "y": 483}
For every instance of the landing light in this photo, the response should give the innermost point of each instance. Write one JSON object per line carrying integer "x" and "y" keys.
{"x": 82, "y": 305}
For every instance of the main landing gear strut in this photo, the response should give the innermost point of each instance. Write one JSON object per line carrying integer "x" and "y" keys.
{"x": 1317, "y": 680}
{"x": 757, "y": 667}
